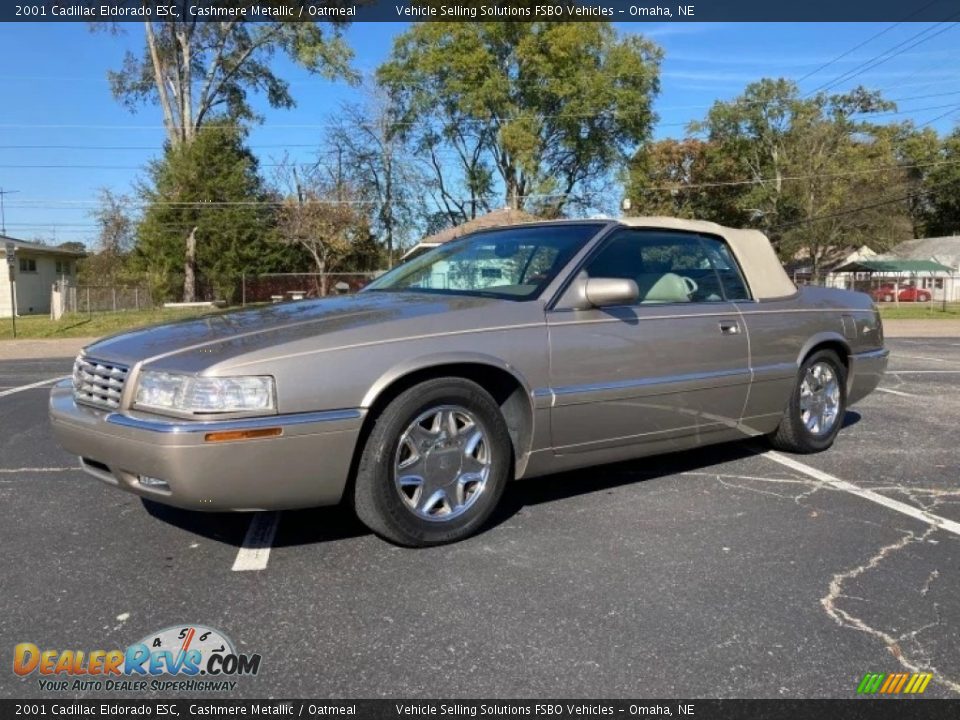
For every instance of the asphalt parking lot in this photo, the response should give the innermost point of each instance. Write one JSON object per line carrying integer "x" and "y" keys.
{"x": 727, "y": 572}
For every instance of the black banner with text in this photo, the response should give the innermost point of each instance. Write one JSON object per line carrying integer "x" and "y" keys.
{"x": 892, "y": 709}
{"x": 637, "y": 11}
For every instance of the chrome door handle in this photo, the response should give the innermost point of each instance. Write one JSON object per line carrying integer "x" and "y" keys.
{"x": 729, "y": 327}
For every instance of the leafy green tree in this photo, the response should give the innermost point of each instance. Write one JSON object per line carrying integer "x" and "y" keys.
{"x": 208, "y": 218}
{"x": 800, "y": 168}
{"x": 197, "y": 70}
{"x": 943, "y": 187}
{"x": 685, "y": 178}
{"x": 548, "y": 109}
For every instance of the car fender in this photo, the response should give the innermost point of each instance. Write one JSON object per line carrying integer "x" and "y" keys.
{"x": 819, "y": 338}
{"x": 425, "y": 362}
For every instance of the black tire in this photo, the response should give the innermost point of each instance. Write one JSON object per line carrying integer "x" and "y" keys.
{"x": 378, "y": 502}
{"x": 792, "y": 435}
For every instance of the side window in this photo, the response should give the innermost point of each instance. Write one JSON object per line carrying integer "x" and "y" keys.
{"x": 670, "y": 267}
{"x": 734, "y": 286}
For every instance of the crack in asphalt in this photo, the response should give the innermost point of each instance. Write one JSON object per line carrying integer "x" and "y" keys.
{"x": 919, "y": 661}
{"x": 915, "y": 658}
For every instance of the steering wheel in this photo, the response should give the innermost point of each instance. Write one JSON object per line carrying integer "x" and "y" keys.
{"x": 691, "y": 284}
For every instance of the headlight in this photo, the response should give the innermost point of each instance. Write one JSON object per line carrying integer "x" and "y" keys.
{"x": 202, "y": 395}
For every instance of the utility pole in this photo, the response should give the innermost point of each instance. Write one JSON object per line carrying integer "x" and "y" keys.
{"x": 10, "y": 250}
{"x": 3, "y": 218}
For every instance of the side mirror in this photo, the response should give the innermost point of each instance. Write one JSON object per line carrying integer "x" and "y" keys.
{"x": 604, "y": 292}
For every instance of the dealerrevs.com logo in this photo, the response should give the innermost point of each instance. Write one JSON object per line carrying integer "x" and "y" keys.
{"x": 198, "y": 658}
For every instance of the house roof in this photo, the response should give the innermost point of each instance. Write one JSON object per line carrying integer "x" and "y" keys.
{"x": 35, "y": 247}
{"x": 944, "y": 250}
{"x": 497, "y": 218}
{"x": 894, "y": 266}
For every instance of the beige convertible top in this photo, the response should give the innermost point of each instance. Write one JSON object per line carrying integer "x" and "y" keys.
{"x": 765, "y": 274}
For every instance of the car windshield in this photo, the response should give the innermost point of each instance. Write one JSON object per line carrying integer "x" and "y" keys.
{"x": 514, "y": 263}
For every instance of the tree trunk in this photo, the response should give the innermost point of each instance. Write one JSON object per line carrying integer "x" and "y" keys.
{"x": 190, "y": 268}
{"x": 159, "y": 75}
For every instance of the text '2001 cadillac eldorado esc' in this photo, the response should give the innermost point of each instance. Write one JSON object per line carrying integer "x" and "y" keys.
{"x": 510, "y": 353}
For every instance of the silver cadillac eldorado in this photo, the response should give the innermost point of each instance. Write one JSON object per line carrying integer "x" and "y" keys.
{"x": 510, "y": 353}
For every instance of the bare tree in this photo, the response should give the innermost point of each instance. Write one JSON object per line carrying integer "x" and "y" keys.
{"x": 366, "y": 144}
{"x": 322, "y": 214}
{"x": 115, "y": 235}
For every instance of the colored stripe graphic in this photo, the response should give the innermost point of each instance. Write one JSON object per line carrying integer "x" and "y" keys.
{"x": 894, "y": 683}
{"x": 870, "y": 683}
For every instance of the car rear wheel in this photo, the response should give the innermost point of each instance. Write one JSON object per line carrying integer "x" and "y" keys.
{"x": 435, "y": 464}
{"x": 888, "y": 298}
{"x": 817, "y": 406}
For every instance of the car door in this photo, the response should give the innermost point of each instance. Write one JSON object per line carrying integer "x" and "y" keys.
{"x": 673, "y": 364}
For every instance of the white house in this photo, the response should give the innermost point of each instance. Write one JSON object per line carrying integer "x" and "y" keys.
{"x": 943, "y": 250}
{"x": 37, "y": 267}
{"x": 906, "y": 263}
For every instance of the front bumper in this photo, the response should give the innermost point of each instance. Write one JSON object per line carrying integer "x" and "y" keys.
{"x": 866, "y": 371}
{"x": 305, "y": 466}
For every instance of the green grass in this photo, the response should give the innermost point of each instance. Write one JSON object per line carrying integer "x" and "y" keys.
{"x": 99, "y": 324}
{"x": 94, "y": 325}
{"x": 919, "y": 311}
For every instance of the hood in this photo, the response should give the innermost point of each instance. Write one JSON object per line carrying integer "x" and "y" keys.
{"x": 324, "y": 323}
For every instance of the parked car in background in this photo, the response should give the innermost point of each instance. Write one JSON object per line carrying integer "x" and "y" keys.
{"x": 888, "y": 292}
{"x": 510, "y": 353}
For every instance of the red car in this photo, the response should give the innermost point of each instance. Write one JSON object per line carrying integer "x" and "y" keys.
{"x": 908, "y": 293}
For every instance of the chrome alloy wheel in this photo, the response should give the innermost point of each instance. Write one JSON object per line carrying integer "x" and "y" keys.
{"x": 820, "y": 398}
{"x": 442, "y": 463}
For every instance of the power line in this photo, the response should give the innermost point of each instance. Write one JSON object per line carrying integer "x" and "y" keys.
{"x": 216, "y": 205}
{"x": 853, "y": 211}
{"x": 71, "y": 204}
{"x": 855, "y": 48}
{"x": 318, "y": 147}
{"x": 3, "y": 216}
{"x": 956, "y": 108}
{"x": 885, "y": 56}
{"x": 870, "y": 39}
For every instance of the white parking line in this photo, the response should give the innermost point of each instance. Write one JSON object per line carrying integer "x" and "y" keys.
{"x": 923, "y": 372}
{"x": 923, "y": 357}
{"x": 37, "y": 470}
{"x": 11, "y": 391}
{"x": 256, "y": 544}
{"x": 896, "y": 392}
{"x": 838, "y": 484}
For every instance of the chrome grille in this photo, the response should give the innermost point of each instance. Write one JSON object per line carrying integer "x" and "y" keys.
{"x": 98, "y": 383}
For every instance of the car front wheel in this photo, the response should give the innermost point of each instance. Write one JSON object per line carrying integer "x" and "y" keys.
{"x": 817, "y": 406}
{"x": 435, "y": 464}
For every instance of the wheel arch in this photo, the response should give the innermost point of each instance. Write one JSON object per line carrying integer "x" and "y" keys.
{"x": 839, "y": 345}
{"x": 505, "y": 383}
{"x": 826, "y": 341}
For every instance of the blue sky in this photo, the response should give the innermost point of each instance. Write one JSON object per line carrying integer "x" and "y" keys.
{"x": 55, "y": 93}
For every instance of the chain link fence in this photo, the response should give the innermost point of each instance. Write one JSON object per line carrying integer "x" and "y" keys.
{"x": 106, "y": 298}
{"x": 278, "y": 287}
{"x": 253, "y": 289}
{"x": 940, "y": 292}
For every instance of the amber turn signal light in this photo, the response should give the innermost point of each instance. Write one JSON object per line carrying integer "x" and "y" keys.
{"x": 230, "y": 435}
